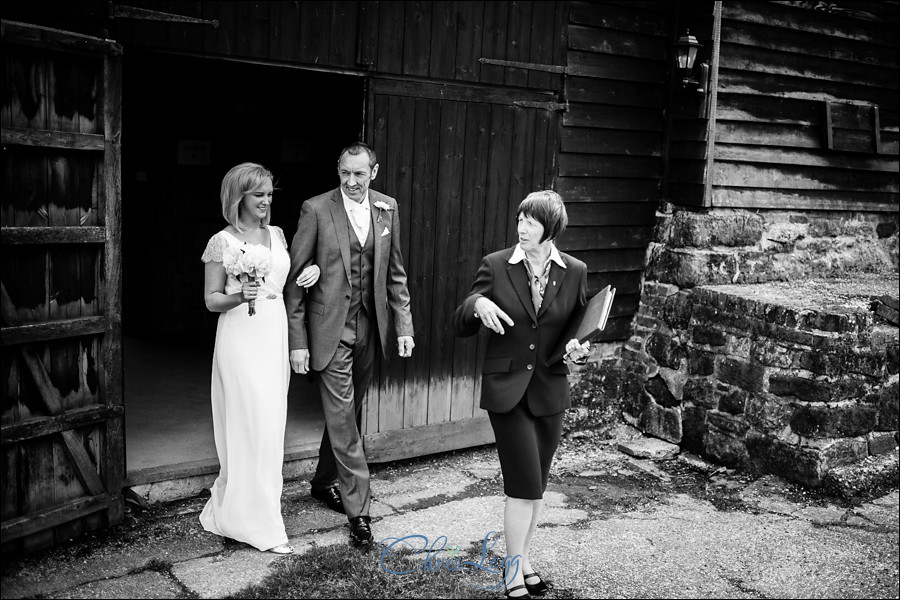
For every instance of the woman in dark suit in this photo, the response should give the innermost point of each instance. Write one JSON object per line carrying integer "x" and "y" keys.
{"x": 532, "y": 298}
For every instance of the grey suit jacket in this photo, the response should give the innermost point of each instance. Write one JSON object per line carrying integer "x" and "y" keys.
{"x": 316, "y": 316}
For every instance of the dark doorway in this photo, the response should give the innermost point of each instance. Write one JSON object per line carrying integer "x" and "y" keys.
{"x": 186, "y": 121}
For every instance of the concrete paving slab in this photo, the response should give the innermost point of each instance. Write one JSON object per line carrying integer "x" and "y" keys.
{"x": 649, "y": 448}
{"x": 419, "y": 486}
{"x": 148, "y": 584}
{"x": 103, "y": 561}
{"x": 224, "y": 574}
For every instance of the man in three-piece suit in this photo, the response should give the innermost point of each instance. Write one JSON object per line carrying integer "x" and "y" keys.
{"x": 353, "y": 234}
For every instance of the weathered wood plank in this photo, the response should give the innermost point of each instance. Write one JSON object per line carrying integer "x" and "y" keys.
{"x": 617, "y": 43}
{"x": 343, "y": 36}
{"x": 472, "y": 203}
{"x": 52, "y": 139}
{"x": 622, "y": 93}
{"x": 807, "y": 44}
{"x": 35, "y": 523}
{"x": 623, "y": 68}
{"x": 284, "y": 31}
{"x": 589, "y": 165}
{"x": 43, "y": 426}
{"x": 612, "y": 189}
{"x": 784, "y": 177}
{"x": 762, "y": 60}
{"x": 541, "y": 45}
{"x": 459, "y": 92}
{"x": 420, "y": 269}
{"x": 446, "y": 253}
{"x": 763, "y": 109}
{"x": 625, "y": 282}
{"x": 611, "y": 213}
{"x": 771, "y": 135}
{"x": 606, "y": 141}
{"x": 25, "y": 334}
{"x": 219, "y": 40}
{"x": 252, "y": 29}
{"x": 469, "y": 25}
{"x": 496, "y": 217}
{"x": 443, "y": 40}
{"x": 804, "y": 20}
{"x": 47, "y": 38}
{"x": 429, "y": 439}
{"x": 87, "y": 473}
{"x": 733, "y": 81}
{"x": 417, "y": 37}
{"x": 493, "y": 41}
{"x": 369, "y": 19}
{"x": 53, "y": 235}
{"x": 599, "y": 238}
{"x": 786, "y": 156}
{"x": 806, "y": 200}
{"x": 613, "y": 117}
{"x": 619, "y": 18}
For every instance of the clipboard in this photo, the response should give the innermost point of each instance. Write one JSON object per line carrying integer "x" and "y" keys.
{"x": 594, "y": 320}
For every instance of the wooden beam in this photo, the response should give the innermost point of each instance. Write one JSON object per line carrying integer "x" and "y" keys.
{"x": 27, "y": 34}
{"x": 54, "y": 330}
{"x": 428, "y": 439}
{"x": 457, "y": 92}
{"x": 52, "y": 139}
{"x": 52, "y": 235}
{"x": 59, "y": 515}
{"x": 43, "y": 426}
{"x": 84, "y": 468}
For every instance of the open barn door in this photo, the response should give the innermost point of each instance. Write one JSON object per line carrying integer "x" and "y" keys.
{"x": 458, "y": 159}
{"x": 62, "y": 412}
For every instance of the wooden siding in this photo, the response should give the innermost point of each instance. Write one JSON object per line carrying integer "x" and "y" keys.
{"x": 62, "y": 439}
{"x": 808, "y": 108}
{"x": 611, "y": 142}
{"x": 460, "y": 165}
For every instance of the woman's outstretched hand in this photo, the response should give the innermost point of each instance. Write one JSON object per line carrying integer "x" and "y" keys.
{"x": 491, "y": 315}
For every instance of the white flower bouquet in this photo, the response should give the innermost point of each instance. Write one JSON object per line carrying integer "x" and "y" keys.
{"x": 247, "y": 263}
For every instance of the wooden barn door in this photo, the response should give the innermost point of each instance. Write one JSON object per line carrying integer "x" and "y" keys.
{"x": 459, "y": 159}
{"x": 62, "y": 415}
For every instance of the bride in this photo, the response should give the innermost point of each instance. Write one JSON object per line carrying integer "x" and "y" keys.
{"x": 250, "y": 371}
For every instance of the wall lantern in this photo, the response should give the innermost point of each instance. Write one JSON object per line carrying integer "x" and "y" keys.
{"x": 685, "y": 54}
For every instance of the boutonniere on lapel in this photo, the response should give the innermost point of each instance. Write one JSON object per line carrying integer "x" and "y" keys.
{"x": 382, "y": 206}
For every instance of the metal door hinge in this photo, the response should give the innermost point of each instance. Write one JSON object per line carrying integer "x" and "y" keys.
{"x": 118, "y": 11}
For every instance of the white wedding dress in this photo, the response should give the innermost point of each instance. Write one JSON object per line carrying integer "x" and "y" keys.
{"x": 250, "y": 376}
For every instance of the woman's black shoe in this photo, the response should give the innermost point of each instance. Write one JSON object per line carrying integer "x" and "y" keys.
{"x": 537, "y": 589}
{"x": 518, "y": 587}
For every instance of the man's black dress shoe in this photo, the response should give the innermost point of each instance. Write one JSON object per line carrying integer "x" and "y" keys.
{"x": 361, "y": 532}
{"x": 331, "y": 497}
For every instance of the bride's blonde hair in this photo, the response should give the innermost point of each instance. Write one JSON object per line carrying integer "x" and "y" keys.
{"x": 243, "y": 179}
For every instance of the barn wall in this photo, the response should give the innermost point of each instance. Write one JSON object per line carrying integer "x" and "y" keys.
{"x": 611, "y": 142}
{"x": 808, "y": 107}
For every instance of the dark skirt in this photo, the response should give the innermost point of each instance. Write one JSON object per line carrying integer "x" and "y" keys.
{"x": 526, "y": 445}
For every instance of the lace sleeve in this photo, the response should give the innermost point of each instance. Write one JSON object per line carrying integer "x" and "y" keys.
{"x": 281, "y": 236}
{"x": 214, "y": 249}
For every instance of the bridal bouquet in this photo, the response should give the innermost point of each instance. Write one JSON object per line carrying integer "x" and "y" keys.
{"x": 247, "y": 263}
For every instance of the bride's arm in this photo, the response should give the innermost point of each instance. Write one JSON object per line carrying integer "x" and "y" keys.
{"x": 214, "y": 289}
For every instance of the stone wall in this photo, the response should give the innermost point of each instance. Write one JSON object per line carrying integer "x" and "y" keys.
{"x": 755, "y": 343}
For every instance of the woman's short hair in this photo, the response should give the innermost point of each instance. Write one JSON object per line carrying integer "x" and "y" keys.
{"x": 547, "y": 208}
{"x": 243, "y": 179}
{"x": 358, "y": 148}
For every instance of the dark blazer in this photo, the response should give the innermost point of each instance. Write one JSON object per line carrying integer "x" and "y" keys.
{"x": 316, "y": 316}
{"x": 517, "y": 361}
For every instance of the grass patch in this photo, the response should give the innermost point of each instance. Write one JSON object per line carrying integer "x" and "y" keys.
{"x": 344, "y": 572}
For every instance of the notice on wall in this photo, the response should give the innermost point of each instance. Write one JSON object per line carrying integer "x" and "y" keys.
{"x": 194, "y": 152}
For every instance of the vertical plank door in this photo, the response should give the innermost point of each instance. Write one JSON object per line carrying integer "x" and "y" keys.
{"x": 62, "y": 414}
{"x": 458, "y": 159}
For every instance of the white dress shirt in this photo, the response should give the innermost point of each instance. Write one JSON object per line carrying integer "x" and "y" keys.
{"x": 359, "y": 214}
